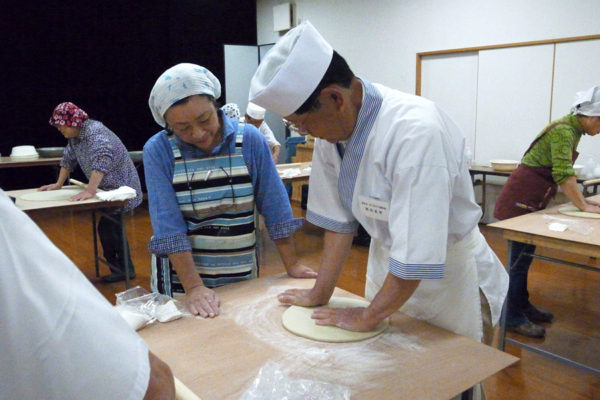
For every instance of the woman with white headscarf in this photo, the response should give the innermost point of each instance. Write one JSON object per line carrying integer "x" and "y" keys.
{"x": 205, "y": 175}
{"x": 547, "y": 164}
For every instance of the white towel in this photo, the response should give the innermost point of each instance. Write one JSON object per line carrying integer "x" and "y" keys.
{"x": 122, "y": 193}
{"x": 290, "y": 173}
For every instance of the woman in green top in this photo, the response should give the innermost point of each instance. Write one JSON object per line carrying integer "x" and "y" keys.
{"x": 547, "y": 164}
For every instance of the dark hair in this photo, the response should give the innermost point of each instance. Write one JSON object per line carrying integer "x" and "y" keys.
{"x": 338, "y": 73}
{"x": 186, "y": 99}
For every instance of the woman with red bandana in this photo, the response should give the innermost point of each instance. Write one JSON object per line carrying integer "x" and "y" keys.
{"x": 106, "y": 163}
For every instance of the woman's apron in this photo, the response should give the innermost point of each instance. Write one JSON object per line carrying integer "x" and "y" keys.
{"x": 452, "y": 302}
{"x": 528, "y": 189}
{"x": 216, "y": 198}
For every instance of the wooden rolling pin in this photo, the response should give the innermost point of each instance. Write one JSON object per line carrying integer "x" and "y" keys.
{"x": 182, "y": 392}
{"x": 78, "y": 183}
{"x": 81, "y": 184}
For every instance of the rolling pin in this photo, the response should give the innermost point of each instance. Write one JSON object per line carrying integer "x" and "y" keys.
{"x": 182, "y": 392}
{"x": 78, "y": 183}
{"x": 81, "y": 184}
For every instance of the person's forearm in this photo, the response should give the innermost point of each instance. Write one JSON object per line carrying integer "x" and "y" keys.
{"x": 161, "y": 385}
{"x": 392, "y": 295}
{"x": 62, "y": 176}
{"x": 95, "y": 179}
{"x": 287, "y": 250}
{"x": 336, "y": 248}
{"x": 571, "y": 190}
{"x": 183, "y": 263}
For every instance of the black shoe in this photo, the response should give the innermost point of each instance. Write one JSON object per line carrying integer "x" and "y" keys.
{"x": 116, "y": 277}
{"x": 536, "y": 315}
{"x": 528, "y": 329}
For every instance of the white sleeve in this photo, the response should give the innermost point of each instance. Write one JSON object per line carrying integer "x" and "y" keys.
{"x": 64, "y": 338}
{"x": 269, "y": 135}
{"x": 419, "y": 205}
{"x": 324, "y": 207}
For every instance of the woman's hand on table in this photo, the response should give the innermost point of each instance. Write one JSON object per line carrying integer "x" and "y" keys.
{"x": 52, "y": 186}
{"x": 352, "y": 319}
{"x": 202, "y": 301}
{"x": 592, "y": 202}
{"x": 593, "y": 208}
{"x": 82, "y": 196}
{"x": 301, "y": 271}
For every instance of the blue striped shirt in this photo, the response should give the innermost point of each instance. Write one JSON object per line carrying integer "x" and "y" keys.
{"x": 169, "y": 227}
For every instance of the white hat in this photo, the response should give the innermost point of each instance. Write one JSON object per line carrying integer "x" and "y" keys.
{"x": 587, "y": 102}
{"x": 291, "y": 70}
{"x": 178, "y": 82}
{"x": 254, "y": 111}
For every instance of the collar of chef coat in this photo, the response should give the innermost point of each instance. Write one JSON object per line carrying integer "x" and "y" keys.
{"x": 371, "y": 104}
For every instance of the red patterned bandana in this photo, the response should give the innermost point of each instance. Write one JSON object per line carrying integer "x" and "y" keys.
{"x": 68, "y": 114}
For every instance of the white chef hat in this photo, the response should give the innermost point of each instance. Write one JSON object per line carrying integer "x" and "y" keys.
{"x": 587, "y": 102}
{"x": 177, "y": 83}
{"x": 255, "y": 111}
{"x": 291, "y": 70}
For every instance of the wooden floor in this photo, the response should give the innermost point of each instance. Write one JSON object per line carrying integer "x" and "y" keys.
{"x": 572, "y": 294}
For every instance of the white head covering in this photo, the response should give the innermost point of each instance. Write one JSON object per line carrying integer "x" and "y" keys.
{"x": 587, "y": 102}
{"x": 177, "y": 83}
{"x": 232, "y": 111}
{"x": 291, "y": 70}
{"x": 255, "y": 111}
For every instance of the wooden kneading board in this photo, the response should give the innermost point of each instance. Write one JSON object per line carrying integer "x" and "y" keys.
{"x": 576, "y": 212}
{"x": 62, "y": 194}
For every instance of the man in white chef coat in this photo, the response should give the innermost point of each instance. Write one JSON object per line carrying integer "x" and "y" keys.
{"x": 61, "y": 339}
{"x": 255, "y": 115}
{"x": 394, "y": 163}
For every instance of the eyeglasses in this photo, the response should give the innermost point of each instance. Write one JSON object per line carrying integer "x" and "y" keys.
{"x": 220, "y": 206}
{"x": 293, "y": 127}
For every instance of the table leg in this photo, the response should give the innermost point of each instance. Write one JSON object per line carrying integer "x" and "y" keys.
{"x": 483, "y": 195}
{"x": 502, "y": 340}
{"x": 124, "y": 251}
{"x": 95, "y": 243}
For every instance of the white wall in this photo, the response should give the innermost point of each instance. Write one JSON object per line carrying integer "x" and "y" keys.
{"x": 380, "y": 38}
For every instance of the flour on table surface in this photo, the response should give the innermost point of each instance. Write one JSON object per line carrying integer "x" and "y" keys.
{"x": 344, "y": 363}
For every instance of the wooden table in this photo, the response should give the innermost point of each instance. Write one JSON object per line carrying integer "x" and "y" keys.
{"x": 219, "y": 358}
{"x": 13, "y": 162}
{"x": 533, "y": 229}
{"x": 10, "y": 162}
{"x": 301, "y": 177}
{"x": 93, "y": 204}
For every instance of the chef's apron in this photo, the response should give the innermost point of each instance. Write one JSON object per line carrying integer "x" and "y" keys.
{"x": 216, "y": 198}
{"x": 528, "y": 189}
{"x": 453, "y": 302}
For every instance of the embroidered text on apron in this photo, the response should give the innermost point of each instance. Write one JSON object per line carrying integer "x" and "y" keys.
{"x": 527, "y": 189}
{"x": 216, "y": 197}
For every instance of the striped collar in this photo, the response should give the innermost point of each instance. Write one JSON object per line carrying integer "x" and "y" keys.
{"x": 371, "y": 104}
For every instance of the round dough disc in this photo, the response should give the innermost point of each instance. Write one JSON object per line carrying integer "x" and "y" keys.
{"x": 52, "y": 195}
{"x": 297, "y": 320}
{"x": 576, "y": 212}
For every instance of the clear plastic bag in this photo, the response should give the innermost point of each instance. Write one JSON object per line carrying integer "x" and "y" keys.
{"x": 155, "y": 306}
{"x": 272, "y": 384}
